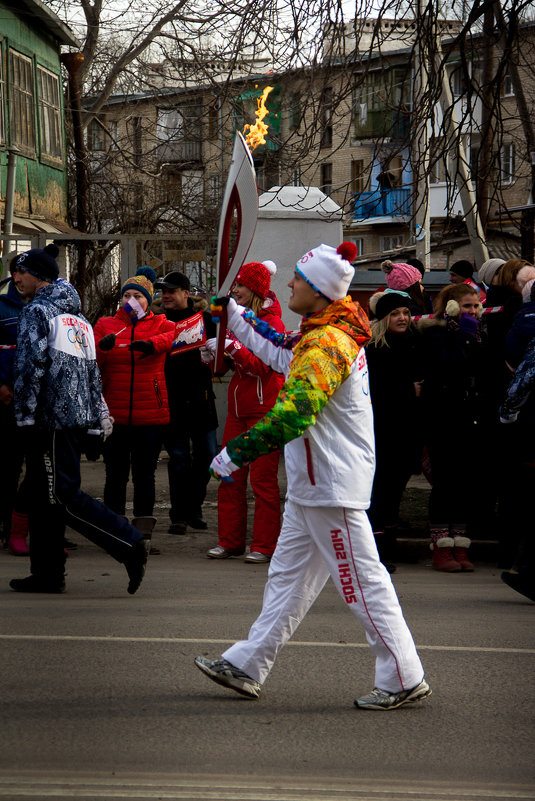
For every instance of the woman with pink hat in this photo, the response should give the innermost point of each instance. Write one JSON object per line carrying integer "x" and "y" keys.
{"x": 401, "y": 277}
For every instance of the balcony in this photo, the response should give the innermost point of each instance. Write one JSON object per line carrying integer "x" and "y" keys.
{"x": 390, "y": 203}
{"x": 179, "y": 151}
{"x": 383, "y": 123}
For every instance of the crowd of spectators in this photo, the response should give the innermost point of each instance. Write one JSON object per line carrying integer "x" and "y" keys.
{"x": 451, "y": 381}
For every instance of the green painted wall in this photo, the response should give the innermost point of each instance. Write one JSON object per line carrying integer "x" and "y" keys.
{"x": 40, "y": 187}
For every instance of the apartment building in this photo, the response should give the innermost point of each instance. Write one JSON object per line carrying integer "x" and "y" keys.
{"x": 160, "y": 159}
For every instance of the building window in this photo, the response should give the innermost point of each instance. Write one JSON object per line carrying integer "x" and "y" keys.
{"x": 21, "y": 107}
{"x": 358, "y": 242}
{"x": 357, "y": 177}
{"x": 50, "y": 114}
{"x": 507, "y": 163}
{"x": 326, "y": 181}
{"x": 214, "y": 188}
{"x": 96, "y": 136}
{"x": 391, "y": 242}
{"x": 294, "y": 111}
{"x": 508, "y": 89}
{"x": 170, "y": 124}
{"x": 171, "y": 189}
{"x": 296, "y": 177}
{"x": 457, "y": 81}
{"x": 326, "y": 117}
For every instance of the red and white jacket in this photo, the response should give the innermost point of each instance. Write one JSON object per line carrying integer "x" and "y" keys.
{"x": 255, "y": 386}
{"x": 134, "y": 388}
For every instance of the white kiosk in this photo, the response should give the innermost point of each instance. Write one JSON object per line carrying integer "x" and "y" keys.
{"x": 291, "y": 219}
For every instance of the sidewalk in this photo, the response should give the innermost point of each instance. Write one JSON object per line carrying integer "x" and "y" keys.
{"x": 413, "y": 540}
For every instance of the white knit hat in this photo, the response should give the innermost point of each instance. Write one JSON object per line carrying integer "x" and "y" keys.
{"x": 328, "y": 270}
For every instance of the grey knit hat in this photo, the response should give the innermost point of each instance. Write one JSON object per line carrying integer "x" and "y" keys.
{"x": 488, "y": 270}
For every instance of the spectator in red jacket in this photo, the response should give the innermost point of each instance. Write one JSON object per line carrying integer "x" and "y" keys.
{"x": 131, "y": 350}
{"x": 251, "y": 394}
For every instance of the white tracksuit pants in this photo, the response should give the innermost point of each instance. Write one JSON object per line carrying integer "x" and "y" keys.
{"x": 316, "y": 542}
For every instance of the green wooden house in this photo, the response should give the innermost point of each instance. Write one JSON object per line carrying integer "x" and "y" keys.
{"x": 32, "y": 122}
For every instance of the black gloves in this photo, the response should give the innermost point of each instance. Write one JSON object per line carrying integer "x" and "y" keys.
{"x": 107, "y": 342}
{"x": 146, "y": 348}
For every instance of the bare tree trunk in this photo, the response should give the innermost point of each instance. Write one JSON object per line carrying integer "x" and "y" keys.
{"x": 73, "y": 62}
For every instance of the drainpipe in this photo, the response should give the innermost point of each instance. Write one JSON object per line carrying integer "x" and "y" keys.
{"x": 10, "y": 197}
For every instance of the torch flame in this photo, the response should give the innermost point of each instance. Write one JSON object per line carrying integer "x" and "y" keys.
{"x": 257, "y": 132}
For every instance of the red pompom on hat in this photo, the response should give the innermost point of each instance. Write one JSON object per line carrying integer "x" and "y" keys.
{"x": 347, "y": 250}
{"x": 328, "y": 270}
{"x": 256, "y": 276}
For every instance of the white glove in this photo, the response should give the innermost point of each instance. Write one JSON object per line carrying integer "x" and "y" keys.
{"x": 206, "y": 354}
{"x": 222, "y": 465}
{"x": 106, "y": 424}
{"x": 211, "y": 344}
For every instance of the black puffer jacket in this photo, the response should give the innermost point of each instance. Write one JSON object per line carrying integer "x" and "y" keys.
{"x": 455, "y": 389}
{"x": 188, "y": 379}
{"x": 393, "y": 369}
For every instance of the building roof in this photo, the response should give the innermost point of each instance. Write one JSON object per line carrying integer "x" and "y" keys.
{"x": 58, "y": 29}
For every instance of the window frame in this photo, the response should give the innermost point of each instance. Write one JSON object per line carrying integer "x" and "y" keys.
{"x": 357, "y": 176}
{"x": 53, "y": 118}
{"x": 17, "y": 122}
{"x": 96, "y": 135}
{"x": 326, "y": 186}
{"x": 394, "y": 241}
{"x": 507, "y": 163}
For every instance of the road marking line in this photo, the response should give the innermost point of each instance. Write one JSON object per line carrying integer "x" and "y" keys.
{"x": 242, "y": 790}
{"x": 299, "y": 644}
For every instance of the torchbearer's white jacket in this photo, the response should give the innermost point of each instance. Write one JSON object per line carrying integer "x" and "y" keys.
{"x": 323, "y": 414}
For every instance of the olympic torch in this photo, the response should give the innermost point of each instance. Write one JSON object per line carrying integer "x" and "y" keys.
{"x": 240, "y": 206}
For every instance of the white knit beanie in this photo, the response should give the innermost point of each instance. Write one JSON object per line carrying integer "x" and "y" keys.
{"x": 328, "y": 270}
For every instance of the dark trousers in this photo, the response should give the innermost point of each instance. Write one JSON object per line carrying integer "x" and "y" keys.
{"x": 516, "y": 530}
{"x": 53, "y": 477}
{"x": 190, "y": 454}
{"x": 11, "y": 463}
{"x": 450, "y": 501}
{"x": 391, "y": 477}
{"x": 136, "y": 447}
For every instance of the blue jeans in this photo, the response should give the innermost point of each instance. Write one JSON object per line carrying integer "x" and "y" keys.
{"x": 136, "y": 447}
{"x": 190, "y": 454}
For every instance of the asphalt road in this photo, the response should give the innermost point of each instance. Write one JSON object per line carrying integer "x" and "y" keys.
{"x": 100, "y": 698}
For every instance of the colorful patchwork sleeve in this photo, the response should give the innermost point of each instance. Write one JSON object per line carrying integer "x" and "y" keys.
{"x": 321, "y": 363}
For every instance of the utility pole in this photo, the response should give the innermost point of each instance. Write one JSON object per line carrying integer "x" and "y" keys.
{"x": 453, "y": 138}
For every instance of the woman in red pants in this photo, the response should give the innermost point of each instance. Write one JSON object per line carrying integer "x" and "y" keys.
{"x": 251, "y": 394}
